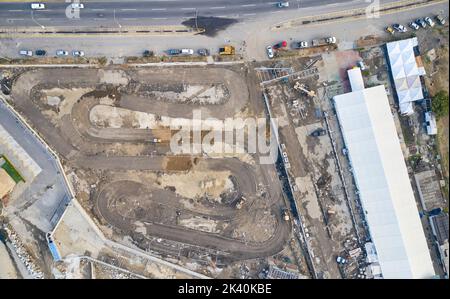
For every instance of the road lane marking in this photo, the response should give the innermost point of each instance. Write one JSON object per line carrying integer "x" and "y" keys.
{"x": 15, "y": 10}
{"x": 159, "y": 18}
{"x": 249, "y": 14}
{"x": 128, "y": 9}
{"x": 159, "y": 8}
{"x": 276, "y": 11}
{"x": 12, "y": 20}
{"x": 129, "y": 19}
{"x": 188, "y": 8}
{"x": 218, "y": 7}
{"x": 98, "y": 9}
{"x": 248, "y": 5}
{"x": 44, "y": 19}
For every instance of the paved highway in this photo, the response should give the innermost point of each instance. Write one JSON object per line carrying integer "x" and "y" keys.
{"x": 109, "y": 14}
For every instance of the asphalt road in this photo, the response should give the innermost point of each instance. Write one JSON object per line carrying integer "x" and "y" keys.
{"x": 109, "y": 14}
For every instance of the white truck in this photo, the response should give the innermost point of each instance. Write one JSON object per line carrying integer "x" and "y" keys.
{"x": 37, "y": 6}
{"x": 324, "y": 41}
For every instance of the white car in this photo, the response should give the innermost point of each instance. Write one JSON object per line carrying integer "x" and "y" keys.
{"x": 26, "y": 53}
{"x": 361, "y": 65}
{"x": 37, "y": 6}
{"x": 187, "y": 52}
{"x": 414, "y": 25}
{"x": 283, "y": 4}
{"x": 269, "y": 50}
{"x": 429, "y": 21}
{"x": 77, "y": 5}
{"x": 62, "y": 53}
{"x": 78, "y": 53}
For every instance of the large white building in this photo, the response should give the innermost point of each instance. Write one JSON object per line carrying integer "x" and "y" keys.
{"x": 406, "y": 70}
{"x": 383, "y": 183}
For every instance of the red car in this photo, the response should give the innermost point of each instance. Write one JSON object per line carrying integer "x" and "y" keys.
{"x": 282, "y": 44}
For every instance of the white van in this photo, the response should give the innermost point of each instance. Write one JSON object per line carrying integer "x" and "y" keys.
{"x": 26, "y": 52}
{"x": 187, "y": 52}
{"x": 77, "y": 5}
{"x": 37, "y": 6}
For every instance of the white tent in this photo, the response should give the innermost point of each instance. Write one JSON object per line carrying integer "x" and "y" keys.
{"x": 405, "y": 72}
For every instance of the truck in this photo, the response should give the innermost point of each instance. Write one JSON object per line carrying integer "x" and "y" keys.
{"x": 324, "y": 41}
{"x": 286, "y": 215}
{"x": 280, "y": 45}
{"x": 300, "y": 45}
{"x": 227, "y": 50}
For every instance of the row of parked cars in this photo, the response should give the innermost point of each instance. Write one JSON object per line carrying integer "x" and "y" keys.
{"x": 187, "y": 52}
{"x": 39, "y": 6}
{"x": 417, "y": 24}
{"x": 75, "y": 53}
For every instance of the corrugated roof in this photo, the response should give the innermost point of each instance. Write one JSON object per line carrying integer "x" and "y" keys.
{"x": 383, "y": 183}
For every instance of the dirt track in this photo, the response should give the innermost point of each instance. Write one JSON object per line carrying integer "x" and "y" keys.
{"x": 83, "y": 145}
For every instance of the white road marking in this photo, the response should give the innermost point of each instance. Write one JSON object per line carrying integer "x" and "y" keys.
{"x": 188, "y": 8}
{"x": 99, "y": 19}
{"x": 249, "y": 14}
{"x": 129, "y": 19}
{"x": 44, "y": 19}
{"x": 218, "y": 7}
{"x": 98, "y": 9}
{"x": 222, "y": 16}
{"x": 16, "y": 10}
{"x": 159, "y": 8}
{"x": 159, "y": 18}
{"x": 248, "y": 5}
{"x": 128, "y": 9}
{"x": 12, "y": 20}
{"x": 276, "y": 11}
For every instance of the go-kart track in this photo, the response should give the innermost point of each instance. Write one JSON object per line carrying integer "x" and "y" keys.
{"x": 144, "y": 206}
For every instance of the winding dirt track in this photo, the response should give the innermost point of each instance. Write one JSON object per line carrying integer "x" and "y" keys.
{"x": 76, "y": 134}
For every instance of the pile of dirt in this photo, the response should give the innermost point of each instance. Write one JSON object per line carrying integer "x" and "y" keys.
{"x": 177, "y": 163}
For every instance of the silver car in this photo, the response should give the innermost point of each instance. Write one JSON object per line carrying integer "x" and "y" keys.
{"x": 62, "y": 53}
{"x": 269, "y": 51}
{"x": 78, "y": 53}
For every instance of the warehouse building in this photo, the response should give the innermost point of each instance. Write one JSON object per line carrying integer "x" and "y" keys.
{"x": 383, "y": 183}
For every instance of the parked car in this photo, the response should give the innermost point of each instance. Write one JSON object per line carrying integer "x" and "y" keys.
{"x": 40, "y": 52}
{"x": 440, "y": 19}
{"x": 390, "y": 30}
{"x": 203, "y": 52}
{"x": 77, "y": 5}
{"x": 300, "y": 45}
{"x": 399, "y": 28}
{"x": 187, "y": 51}
{"x": 78, "y": 53}
{"x": 26, "y": 52}
{"x": 429, "y": 21}
{"x": 283, "y": 4}
{"x": 37, "y": 6}
{"x": 269, "y": 51}
{"x": 318, "y": 132}
{"x": 62, "y": 53}
{"x": 147, "y": 53}
{"x": 361, "y": 65}
{"x": 421, "y": 23}
{"x": 173, "y": 51}
{"x": 414, "y": 25}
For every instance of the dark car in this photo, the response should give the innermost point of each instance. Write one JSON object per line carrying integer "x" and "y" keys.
{"x": 174, "y": 52}
{"x": 40, "y": 52}
{"x": 422, "y": 23}
{"x": 203, "y": 52}
{"x": 148, "y": 53}
{"x": 318, "y": 132}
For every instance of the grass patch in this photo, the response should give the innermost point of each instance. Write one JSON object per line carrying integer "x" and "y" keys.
{"x": 13, "y": 173}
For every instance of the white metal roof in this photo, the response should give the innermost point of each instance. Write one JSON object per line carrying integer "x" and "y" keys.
{"x": 405, "y": 73}
{"x": 355, "y": 78}
{"x": 383, "y": 183}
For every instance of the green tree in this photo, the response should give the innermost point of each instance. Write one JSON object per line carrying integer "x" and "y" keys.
{"x": 439, "y": 103}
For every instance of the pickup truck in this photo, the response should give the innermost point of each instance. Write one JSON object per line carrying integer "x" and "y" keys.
{"x": 323, "y": 41}
{"x": 300, "y": 45}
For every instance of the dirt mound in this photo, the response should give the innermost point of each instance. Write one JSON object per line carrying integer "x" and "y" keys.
{"x": 177, "y": 163}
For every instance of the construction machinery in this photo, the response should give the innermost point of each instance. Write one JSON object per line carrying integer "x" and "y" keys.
{"x": 227, "y": 50}
{"x": 302, "y": 87}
